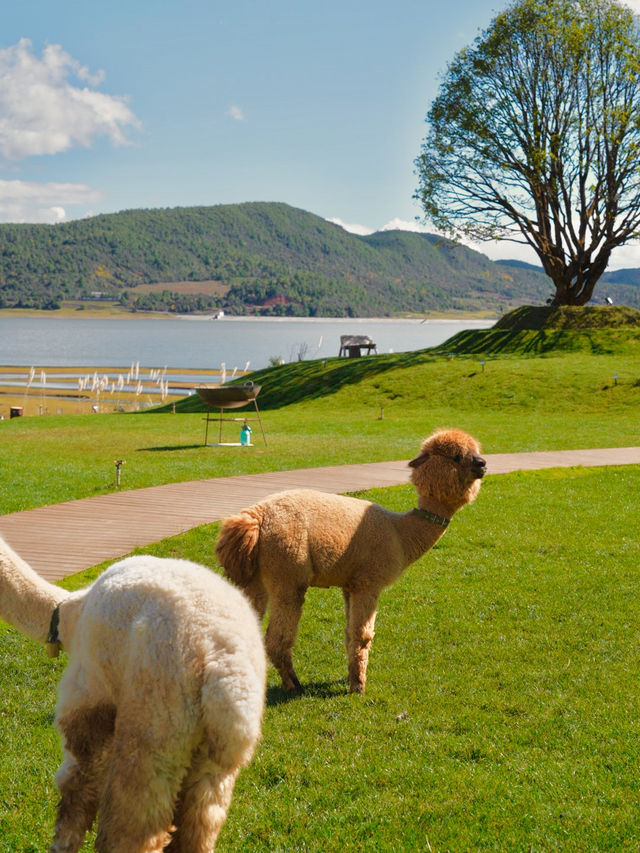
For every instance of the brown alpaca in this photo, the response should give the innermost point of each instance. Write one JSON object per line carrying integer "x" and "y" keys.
{"x": 290, "y": 541}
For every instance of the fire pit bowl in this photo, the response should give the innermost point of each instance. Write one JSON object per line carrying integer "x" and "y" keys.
{"x": 228, "y": 396}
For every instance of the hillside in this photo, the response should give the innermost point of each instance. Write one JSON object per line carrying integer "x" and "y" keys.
{"x": 525, "y": 333}
{"x": 266, "y": 258}
{"x": 529, "y": 330}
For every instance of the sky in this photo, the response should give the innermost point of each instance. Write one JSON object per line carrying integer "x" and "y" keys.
{"x": 154, "y": 104}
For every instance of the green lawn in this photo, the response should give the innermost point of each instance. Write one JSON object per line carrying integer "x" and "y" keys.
{"x": 348, "y": 410}
{"x": 501, "y": 711}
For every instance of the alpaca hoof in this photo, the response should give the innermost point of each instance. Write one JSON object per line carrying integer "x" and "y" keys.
{"x": 292, "y": 685}
{"x": 356, "y": 688}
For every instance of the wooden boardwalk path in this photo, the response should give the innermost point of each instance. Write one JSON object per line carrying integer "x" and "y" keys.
{"x": 65, "y": 538}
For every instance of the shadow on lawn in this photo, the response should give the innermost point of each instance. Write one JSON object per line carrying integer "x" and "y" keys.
{"x": 169, "y": 447}
{"x": 317, "y": 689}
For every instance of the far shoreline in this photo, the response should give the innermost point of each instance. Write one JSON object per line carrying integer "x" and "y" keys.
{"x": 112, "y": 312}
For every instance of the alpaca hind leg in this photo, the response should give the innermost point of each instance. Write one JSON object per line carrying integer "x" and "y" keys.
{"x": 202, "y": 807}
{"x": 87, "y": 734}
{"x": 257, "y": 595}
{"x": 281, "y": 635}
{"x": 360, "y": 632}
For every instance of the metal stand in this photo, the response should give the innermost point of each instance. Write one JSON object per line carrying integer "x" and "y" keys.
{"x": 220, "y": 418}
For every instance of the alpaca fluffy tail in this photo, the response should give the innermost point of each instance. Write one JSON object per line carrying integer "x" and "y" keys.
{"x": 27, "y": 601}
{"x": 237, "y": 546}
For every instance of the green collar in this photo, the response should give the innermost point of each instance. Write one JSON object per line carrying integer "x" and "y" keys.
{"x": 431, "y": 516}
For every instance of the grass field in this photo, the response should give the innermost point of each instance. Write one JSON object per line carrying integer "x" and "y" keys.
{"x": 501, "y": 712}
{"x": 356, "y": 410}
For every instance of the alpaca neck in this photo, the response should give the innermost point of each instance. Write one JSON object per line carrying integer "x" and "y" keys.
{"x": 438, "y": 507}
{"x": 417, "y": 533}
{"x": 27, "y": 601}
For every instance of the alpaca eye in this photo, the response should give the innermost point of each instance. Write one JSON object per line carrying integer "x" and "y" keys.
{"x": 457, "y": 457}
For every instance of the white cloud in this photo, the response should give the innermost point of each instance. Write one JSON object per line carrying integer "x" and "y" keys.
{"x": 22, "y": 201}
{"x": 395, "y": 224}
{"x": 634, "y": 5}
{"x": 362, "y": 230}
{"x": 236, "y": 113}
{"x": 42, "y": 112}
{"x": 504, "y": 250}
{"x": 398, "y": 224}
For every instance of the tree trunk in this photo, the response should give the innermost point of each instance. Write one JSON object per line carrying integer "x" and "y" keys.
{"x": 575, "y": 284}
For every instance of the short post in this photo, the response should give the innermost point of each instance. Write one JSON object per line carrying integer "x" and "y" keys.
{"x": 118, "y": 463}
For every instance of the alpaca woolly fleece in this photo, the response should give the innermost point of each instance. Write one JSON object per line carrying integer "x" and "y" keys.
{"x": 276, "y": 549}
{"x": 160, "y": 705}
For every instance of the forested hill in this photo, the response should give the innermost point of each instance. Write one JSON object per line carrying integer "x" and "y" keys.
{"x": 256, "y": 257}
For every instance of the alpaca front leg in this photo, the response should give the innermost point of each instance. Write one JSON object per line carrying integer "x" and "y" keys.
{"x": 360, "y": 632}
{"x": 281, "y": 636}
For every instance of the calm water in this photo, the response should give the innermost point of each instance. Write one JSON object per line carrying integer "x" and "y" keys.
{"x": 200, "y": 342}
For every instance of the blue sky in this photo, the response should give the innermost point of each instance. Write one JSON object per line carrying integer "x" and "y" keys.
{"x": 139, "y": 104}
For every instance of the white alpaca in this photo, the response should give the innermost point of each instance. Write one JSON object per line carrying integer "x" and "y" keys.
{"x": 161, "y": 702}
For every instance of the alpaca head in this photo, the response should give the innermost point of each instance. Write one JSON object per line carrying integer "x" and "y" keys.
{"x": 448, "y": 468}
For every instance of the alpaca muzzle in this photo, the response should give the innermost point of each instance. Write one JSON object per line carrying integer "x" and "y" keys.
{"x": 479, "y": 467}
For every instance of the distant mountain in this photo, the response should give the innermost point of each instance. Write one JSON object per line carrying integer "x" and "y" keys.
{"x": 266, "y": 258}
{"x": 626, "y": 276}
{"x": 525, "y": 265}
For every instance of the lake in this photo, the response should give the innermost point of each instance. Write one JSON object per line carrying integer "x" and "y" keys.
{"x": 203, "y": 343}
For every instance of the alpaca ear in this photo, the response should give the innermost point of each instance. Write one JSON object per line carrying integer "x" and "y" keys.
{"x": 419, "y": 460}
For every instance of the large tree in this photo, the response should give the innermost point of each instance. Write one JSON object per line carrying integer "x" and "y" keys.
{"x": 534, "y": 136}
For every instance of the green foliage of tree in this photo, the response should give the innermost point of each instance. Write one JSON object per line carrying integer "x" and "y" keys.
{"x": 535, "y": 136}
